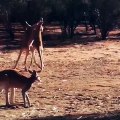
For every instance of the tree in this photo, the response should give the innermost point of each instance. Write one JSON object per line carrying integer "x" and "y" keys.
{"x": 108, "y": 11}
{"x": 68, "y": 13}
{"x": 11, "y": 11}
{"x": 5, "y": 17}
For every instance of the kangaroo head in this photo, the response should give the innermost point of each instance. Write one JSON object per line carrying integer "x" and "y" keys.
{"x": 34, "y": 75}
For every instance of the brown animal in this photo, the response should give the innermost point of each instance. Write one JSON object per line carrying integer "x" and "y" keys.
{"x": 12, "y": 79}
{"x": 32, "y": 41}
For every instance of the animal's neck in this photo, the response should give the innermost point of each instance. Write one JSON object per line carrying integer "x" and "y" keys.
{"x": 40, "y": 37}
{"x": 32, "y": 79}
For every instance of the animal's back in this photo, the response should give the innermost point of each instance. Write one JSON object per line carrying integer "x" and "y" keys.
{"x": 27, "y": 38}
{"x": 11, "y": 78}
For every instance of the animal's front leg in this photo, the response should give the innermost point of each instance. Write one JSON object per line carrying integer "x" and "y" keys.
{"x": 7, "y": 97}
{"x": 18, "y": 58}
{"x": 40, "y": 53}
{"x": 32, "y": 57}
{"x": 29, "y": 105}
{"x": 27, "y": 53}
{"x": 24, "y": 98}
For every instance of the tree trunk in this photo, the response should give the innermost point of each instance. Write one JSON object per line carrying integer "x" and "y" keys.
{"x": 8, "y": 27}
{"x": 72, "y": 32}
{"x": 104, "y": 33}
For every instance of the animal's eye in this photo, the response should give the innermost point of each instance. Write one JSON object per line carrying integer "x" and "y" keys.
{"x": 6, "y": 74}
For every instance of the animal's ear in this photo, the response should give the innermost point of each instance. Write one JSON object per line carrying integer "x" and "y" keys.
{"x": 41, "y": 19}
{"x": 27, "y": 24}
{"x": 32, "y": 72}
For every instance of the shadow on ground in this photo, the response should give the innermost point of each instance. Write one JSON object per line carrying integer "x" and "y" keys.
{"x": 49, "y": 41}
{"x": 116, "y": 116}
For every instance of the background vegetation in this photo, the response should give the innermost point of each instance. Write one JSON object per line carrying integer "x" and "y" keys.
{"x": 99, "y": 14}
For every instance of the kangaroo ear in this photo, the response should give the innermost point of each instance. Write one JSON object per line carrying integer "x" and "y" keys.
{"x": 41, "y": 20}
{"x": 27, "y": 24}
{"x": 34, "y": 72}
{"x": 30, "y": 71}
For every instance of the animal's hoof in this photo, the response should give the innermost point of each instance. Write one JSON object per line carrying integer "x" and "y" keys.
{"x": 11, "y": 106}
{"x": 28, "y": 106}
{"x": 14, "y": 107}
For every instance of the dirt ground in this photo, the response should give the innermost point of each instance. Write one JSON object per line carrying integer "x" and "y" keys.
{"x": 77, "y": 80}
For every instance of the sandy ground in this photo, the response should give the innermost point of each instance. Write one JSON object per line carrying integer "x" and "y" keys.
{"x": 77, "y": 80}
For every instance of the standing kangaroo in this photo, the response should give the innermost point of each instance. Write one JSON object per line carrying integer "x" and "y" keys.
{"x": 12, "y": 79}
{"x": 32, "y": 41}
